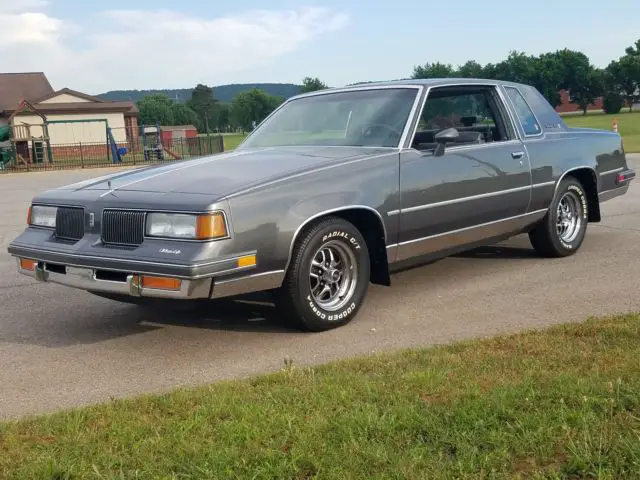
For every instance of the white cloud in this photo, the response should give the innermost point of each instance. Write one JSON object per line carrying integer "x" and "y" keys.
{"x": 150, "y": 49}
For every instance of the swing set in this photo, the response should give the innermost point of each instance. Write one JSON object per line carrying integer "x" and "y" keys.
{"x": 31, "y": 143}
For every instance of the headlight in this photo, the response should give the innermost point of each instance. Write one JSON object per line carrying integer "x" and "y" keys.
{"x": 42, "y": 216}
{"x": 186, "y": 226}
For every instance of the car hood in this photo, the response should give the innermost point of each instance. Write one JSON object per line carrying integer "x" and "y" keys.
{"x": 225, "y": 173}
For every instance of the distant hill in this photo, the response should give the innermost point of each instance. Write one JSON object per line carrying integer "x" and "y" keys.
{"x": 222, "y": 93}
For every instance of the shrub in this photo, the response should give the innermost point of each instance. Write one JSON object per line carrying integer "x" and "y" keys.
{"x": 612, "y": 103}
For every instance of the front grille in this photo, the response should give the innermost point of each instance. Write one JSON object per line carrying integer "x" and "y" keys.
{"x": 122, "y": 227}
{"x": 70, "y": 223}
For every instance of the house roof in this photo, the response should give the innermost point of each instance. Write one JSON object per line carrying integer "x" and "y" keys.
{"x": 68, "y": 91}
{"x": 86, "y": 107}
{"x": 15, "y": 87}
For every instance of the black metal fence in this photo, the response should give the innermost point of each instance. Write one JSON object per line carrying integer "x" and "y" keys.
{"x": 36, "y": 156}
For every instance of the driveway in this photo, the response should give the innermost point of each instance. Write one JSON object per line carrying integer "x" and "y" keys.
{"x": 61, "y": 348}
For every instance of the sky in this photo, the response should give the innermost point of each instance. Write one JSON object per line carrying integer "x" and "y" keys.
{"x": 96, "y": 46}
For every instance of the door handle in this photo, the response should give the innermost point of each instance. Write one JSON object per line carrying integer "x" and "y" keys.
{"x": 517, "y": 155}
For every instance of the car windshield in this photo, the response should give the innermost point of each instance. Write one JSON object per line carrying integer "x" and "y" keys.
{"x": 370, "y": 117}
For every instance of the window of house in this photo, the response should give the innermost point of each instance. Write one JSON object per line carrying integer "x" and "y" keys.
{"x": 473, "y": 111}
{"x": 530, "y": 125}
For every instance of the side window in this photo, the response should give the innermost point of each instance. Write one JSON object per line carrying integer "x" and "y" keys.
{"x": 472, "y": 110}
{"x": 525, "y": 114}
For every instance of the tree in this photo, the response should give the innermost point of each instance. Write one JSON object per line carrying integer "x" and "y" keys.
{"x": 634, "y": 50}
{"x": 204, "y": 104}
{"x": 312, "y": 84}
{"x": 183, "y": 115}
{"x": 471, "y": 69}
{"x": 547, "y": 77}
{"x": 156, "y": 108}
{"x": 589, "y": 90}
{"x": 251, "y": 107}
{"x": 517, "y": 67}
{"x": 433, "y": 70}
{"x": 623, "y": 78}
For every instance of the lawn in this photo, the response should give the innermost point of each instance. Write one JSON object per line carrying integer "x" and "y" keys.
{"x": 628, "y": 126}
{"x": 232, "y": 140}
{"x": 557, "y": 403}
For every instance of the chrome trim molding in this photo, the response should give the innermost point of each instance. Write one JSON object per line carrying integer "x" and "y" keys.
{"x": 464, "y": 199}
{"x": 412, "y": 116}
{"x": 416, "y": 115}
{"x": 609, "y": 172}
{"x": 573, "y": 169}
{"x": 544, "y": 184}
{"x": 526, "y": 136}
{"x": 463, "y": 236}
{"x": 248, "y": 284}
{"x": 327, "y": 212}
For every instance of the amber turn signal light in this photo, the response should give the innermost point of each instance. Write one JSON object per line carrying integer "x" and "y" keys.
{"x": 29, "y": 216}
{"x": 210, "y": 226}
{"x": 28, "y": 264}
{"x": 247, "y": 261}
{"x": 161, "y": 283}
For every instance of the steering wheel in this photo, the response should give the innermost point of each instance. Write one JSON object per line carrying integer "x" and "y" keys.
{"x": 366, "y": 132}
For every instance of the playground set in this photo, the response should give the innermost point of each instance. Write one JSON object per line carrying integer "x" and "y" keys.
{"x": 31, "y": 145}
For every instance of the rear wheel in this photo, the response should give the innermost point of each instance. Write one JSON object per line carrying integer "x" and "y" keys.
{"x": 328, "y": 278}
{"x": 563, "y": 229}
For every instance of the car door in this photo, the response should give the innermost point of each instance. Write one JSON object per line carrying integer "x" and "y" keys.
{"x": 477, "y": 188}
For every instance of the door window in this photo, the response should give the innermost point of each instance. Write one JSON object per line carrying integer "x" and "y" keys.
{"x": 474, "y": 111}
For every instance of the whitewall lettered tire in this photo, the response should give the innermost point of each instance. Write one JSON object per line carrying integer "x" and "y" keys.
{"x": 328, "y": 277}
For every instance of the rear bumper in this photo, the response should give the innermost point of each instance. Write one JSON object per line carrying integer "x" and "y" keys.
{"x": 623, "y": 180}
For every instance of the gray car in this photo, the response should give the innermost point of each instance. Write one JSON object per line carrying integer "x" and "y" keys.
{"x": 334, "y": 190}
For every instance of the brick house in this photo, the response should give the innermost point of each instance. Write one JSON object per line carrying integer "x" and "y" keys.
{"x": 567, "y": 107}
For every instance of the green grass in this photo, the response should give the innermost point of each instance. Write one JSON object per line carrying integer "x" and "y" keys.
{"x": 628, "y": 126}
{"x": 557, "y": 403}
{"x": 232, "y": 140}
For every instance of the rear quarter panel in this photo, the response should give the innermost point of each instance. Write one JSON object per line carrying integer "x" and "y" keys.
{"x": 560, "y": 149}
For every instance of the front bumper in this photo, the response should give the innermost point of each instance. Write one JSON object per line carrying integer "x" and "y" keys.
{"x": 242, "y": 279}
{"x": 129, "y": 284}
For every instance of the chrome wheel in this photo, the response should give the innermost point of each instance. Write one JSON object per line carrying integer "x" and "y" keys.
{"x": 569, "y": 217}
{"x": 333, "y": 275}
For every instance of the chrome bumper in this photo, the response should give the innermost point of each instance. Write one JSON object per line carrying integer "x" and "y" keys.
{"x": 85, "y": 278}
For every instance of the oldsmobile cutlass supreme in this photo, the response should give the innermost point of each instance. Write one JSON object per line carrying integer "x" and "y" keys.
{"x": 334, "y": 190}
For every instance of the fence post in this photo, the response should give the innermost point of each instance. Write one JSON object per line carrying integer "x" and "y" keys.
{"x": 81, "y": 155}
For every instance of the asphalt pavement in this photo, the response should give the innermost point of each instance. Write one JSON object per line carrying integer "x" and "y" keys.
{"x": 62, "y": 348}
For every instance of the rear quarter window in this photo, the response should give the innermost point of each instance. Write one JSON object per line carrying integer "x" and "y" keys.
{"x": 527, "y": 119}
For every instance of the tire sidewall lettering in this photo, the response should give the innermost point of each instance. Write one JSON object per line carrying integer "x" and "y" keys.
{"x": 584, "y": 214}
{"x": 351, "y": 307}
{"x": 342, "y": 234}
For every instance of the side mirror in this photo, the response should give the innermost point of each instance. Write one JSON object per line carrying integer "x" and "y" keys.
{"x": 442, "y": 138}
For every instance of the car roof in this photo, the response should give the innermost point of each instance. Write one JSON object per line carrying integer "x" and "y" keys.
{"x": 426, "y": 82}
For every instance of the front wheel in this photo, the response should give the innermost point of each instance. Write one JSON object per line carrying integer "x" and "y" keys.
{"x": 563, "y": 229}
{"x": 328, "y": 278}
